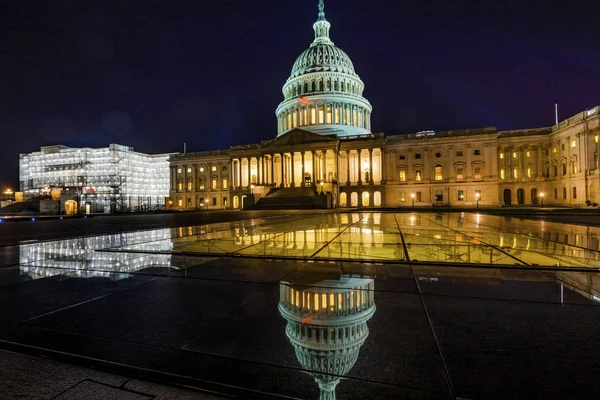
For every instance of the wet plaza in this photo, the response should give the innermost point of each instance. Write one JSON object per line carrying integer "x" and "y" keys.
{"x": 333, "y": 305}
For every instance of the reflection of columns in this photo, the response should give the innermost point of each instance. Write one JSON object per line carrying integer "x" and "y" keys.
{"x": 348, "y": 167}
{"x": 370, "y": 166}
{"x": 303, "y": 171}
{"x": 282, "y": 181}
{"x": 292, "y": 168}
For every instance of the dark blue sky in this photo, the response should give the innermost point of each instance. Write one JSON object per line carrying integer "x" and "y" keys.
{"x": 156, "y": 74}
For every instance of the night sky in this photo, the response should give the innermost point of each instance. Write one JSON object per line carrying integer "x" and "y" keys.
{"x": 156, "y": 74}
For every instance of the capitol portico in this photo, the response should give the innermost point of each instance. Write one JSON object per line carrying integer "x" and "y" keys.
{"x": 324, "y": 148}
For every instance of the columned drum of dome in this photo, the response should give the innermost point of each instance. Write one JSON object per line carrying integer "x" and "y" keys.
{"x": 323, "y": 93}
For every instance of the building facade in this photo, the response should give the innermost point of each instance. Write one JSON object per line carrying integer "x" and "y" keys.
{"x": 324, "y": 141}
{"x": 110, "y": 179}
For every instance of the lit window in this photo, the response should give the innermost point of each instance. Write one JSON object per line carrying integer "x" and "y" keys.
{"x": 596, "y": 138}
{"x": 574, "y": 167}
{"x": 459, "y": 174}
{"x": 502, "y": 174}
{"x": 418, "y": 175}
{"x": 201, "y": 169}
{"x": 573, "y": 143}
{"x": 189, "y": 185}
{"x": 438, "y": 173}
{"x": 477, "y": 172}
{"x": 189, "y": 170}
{"x": 478, "y": 194}
{"x": 213, "y": 168}
{"x": 501, "y": 155}
{"x": 224, "y": 183}
{"x": 402, "y": 176}
{"x": 214, "y": 183}
{"x": 180, "y": 185}
{"x": 179, "y": 170}
{"x": 554, "y": 149}
{"x": 180, "y": 202}
{"x": 461, "y": 195}
{"x": 529, "y": 172}
{"x": 514, "y": 154}
{"x": 516, "y": 173}
{"x": 528, "y": 154}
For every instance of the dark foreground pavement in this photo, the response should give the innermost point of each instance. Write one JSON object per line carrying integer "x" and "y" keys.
{"x": 216, "y": 323}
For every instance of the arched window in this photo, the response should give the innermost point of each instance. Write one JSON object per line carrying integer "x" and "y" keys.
{"x": 306, "y": 87}
{"x": 329, "y": 114}
{"x": 335, "y": 85}
{"x": 377, "y": 199}
{"x": 320, "y": 85}
{"x": 354, "y": 199}
{"x": 328, "y": 84}
{"x": 343, "y": 199}
{"x": 365, "y": 199}
{"x": 236, "y": 202}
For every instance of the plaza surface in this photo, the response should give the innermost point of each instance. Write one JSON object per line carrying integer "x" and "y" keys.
{"x": 305, "y": 305}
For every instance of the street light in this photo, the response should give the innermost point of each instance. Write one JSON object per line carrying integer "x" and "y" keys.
{"x": 477, "y": 196}
{"x": 251, "y": 189}
{"x": 321, "y": 187}
{"x": 8, "y": 191}
{"x": 412, "y": 196}
{"x": 170, "y": 204}
{"x": 542, "y": 199}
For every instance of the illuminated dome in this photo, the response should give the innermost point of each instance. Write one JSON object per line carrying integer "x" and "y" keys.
{"x": 323, "y": 93}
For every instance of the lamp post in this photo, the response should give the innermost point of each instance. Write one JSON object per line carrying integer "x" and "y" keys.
{"x": 251, "y": 189}
{"x": 322, "y": 187}
{"x": 170, "y": 205}
{"x": 542, "y": 199}
{"x": 477, "y": 196}
{"x": 412, "y": 196}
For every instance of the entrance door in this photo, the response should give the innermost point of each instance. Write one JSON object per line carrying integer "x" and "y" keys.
{"x": 439, "y": 197}
{"x": 507, "y": 197}
{"x": 534, "y": 196}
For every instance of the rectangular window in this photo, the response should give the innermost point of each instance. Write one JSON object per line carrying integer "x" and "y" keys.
{"x": 554, "y": 149}
{"x": 189, "y": 170}
{"x": 402, "y": 157}
{"x": 477, "y": 152}
{"x": 459, "y": 153}
{"x": 477, "y": 172}
{"x": 438, "y": 173}
{"x": 563, "y": 146}
{"x": 214, "y": 183}
{"x": 459, "y": 174}
{"x": 461, "y": 195}
{"x": 201, "y": 185}
{"x": 501, "y": 155}
{"x": 529, "y": 172}
{"x": 214, "y": 201}
{"x": 224, "y": 186}
{"x": 417, "y": 155}
{"x": 189, "y": 185}
{"x": 502, "y": 174}
{"x": 439, "y": 196}
{"x": 515, "y": 173}
{"x": 418, "y": 175}
{"x": 180, "y": 186}
{"x": 189, "y": 201}
{"x": 514, "y": 154}
{"x": 564, "y": 169}
{"x": 180, "y": 203}
{"x": 402, "y": 176}
{"x": 555, "y": 194}
{"x": 564, "y": 193}
{"x": 225, "y": 201}
{"x": 478, "y": 195}
{"x": 418, "y": 197}
{"x": 213, "y": 168}
{"x": 179, "y": 170}
{"x": 573, "y": 143}
{"x": 574, "y": 167}
{"x": 528, "y": 154}
{"x": 546, "y": 151}
{"x": 574, "y": 192}
{"x": 555, "y": 170}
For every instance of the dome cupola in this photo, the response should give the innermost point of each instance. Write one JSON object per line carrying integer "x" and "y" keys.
{"x": 324, "y": 93}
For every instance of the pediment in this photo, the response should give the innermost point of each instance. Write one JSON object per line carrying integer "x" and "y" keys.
{"x": 298, "y": 136}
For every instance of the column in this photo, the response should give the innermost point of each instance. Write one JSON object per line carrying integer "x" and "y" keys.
{"x": 272, "y": 172}
{"x": 282, "y": 180}
{"x": 324, "y": 165}
{"x": 370, "y": 167}
{"x": 248, "y": 169}
{"x": 347, "y": 167}
{"x": 359, "y": 172}
{"x": 314, "y": 167}
{"x": 292, "y": 168}
{"x": 303, "y": 171}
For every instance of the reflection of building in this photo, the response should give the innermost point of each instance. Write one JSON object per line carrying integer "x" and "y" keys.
{"x": 324, "y": 141}
{"x": 79, "y": 257}
{"x": 113, "y": 178}
{"x": 327, "y": 325}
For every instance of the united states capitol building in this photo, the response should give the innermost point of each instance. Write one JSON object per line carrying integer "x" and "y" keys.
{"x": 324, "y": 142}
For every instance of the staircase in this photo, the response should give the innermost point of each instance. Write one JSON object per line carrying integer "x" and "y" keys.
{"x": 291, "y": 199}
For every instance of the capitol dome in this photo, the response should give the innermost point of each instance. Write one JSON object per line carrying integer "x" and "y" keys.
{"x": 324, "y": 93}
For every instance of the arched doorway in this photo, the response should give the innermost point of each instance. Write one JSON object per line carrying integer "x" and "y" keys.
{"x": 354, "y": 199}
{"x": 307, "y": 179}
{"x": 236, "y": 202}
{"x": 507, "y": 197}
{"x": 70, "y": 207}
{"x": 534, "y": 196}
{"x": 244, "y": 198}
{"x": 377, "y": 199}
{"x": 365, "y": 199}
{"x": 343, "y": 199}
{"x": 520, "y": 196}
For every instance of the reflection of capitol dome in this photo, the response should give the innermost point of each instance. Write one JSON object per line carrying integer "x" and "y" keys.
{"x": 327, "y": 325}
{"x": 323, "y": 93}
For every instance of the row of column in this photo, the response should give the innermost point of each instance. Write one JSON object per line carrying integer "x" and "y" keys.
{"x": 319, "y": 114}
